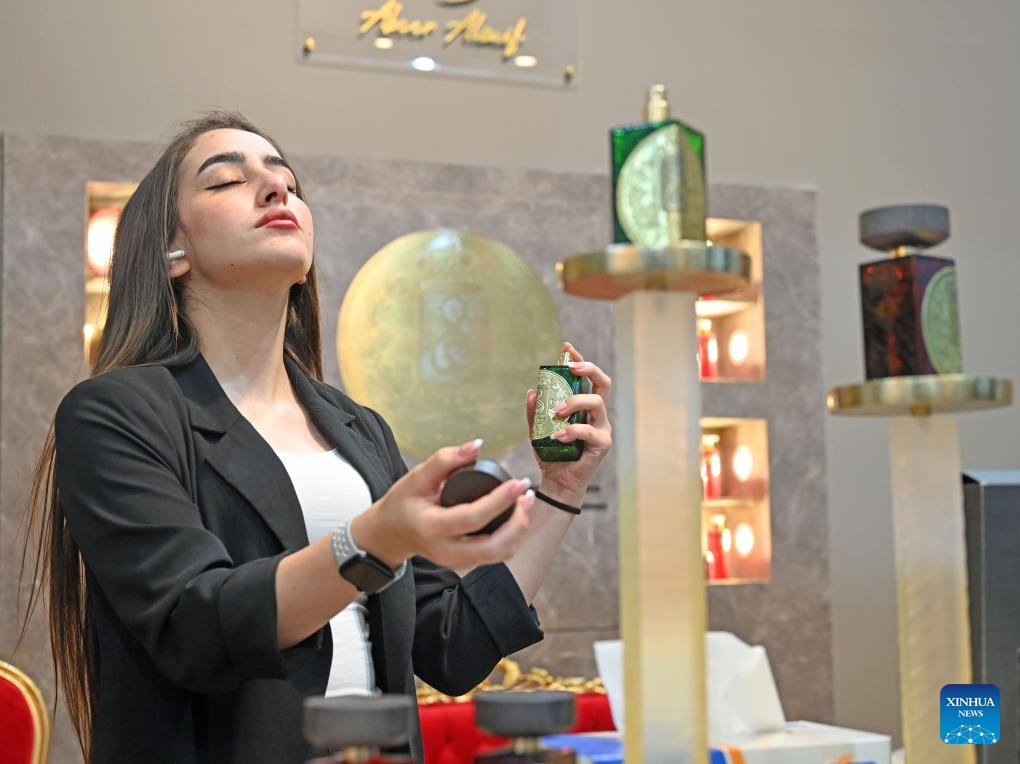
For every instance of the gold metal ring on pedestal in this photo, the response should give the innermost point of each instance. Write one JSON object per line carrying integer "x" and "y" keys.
{"x": 686, "y": 266}
{"x": 920, "y": 395}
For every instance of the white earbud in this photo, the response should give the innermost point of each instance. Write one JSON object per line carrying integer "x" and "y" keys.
{"x": 177, "y": 254}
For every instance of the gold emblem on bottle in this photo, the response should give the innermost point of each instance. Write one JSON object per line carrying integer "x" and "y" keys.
{"x": 940, "y": 322}
{"x": 660, "y": 194}
{"x": 552, "y": 390}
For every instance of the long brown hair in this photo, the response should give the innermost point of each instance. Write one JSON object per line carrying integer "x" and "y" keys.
{"x": 146, "y": 324}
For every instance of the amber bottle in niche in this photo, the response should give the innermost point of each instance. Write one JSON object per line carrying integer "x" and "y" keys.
{"x": 525, "y": 717}
{"x": 908, "y": 301}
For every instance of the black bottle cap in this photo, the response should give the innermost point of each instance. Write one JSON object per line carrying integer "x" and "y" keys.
{"x": 525, "y": 714}
{"x": 378, "y": 720}
{"x": 471, "y": 483}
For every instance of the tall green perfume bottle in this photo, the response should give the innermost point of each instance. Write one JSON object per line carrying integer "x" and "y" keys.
{"x": 658, "y": 178}
{"x": 556, "y": 383}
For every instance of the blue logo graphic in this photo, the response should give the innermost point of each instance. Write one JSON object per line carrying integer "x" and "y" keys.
{"x": 969, "y": 714}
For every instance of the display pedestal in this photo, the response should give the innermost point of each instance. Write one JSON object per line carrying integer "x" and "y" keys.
{"x": 931, "y": 565}
{"x": 657, "y": 406}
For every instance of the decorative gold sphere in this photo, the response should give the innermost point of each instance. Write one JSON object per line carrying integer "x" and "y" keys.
{"x": 442, "y": 332}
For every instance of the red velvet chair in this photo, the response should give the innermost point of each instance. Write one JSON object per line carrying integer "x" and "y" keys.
{"x": 450, "y": 736}
{"x": 24, "y": 723}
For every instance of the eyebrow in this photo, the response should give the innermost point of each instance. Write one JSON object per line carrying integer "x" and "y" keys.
{"x": 236, "y": 157}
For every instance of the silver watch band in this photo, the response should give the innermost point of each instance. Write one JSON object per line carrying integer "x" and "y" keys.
{"x": 344, "y": 548}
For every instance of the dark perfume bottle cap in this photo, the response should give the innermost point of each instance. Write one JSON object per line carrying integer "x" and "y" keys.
{"x": 525, "y": 714}
{"x": 381, "y": 720}
{"x": 471, "y": 483}
{"x": 916, "y": 226}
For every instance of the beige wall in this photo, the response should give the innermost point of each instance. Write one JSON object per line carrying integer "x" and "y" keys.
{"x": 869, "y": 101}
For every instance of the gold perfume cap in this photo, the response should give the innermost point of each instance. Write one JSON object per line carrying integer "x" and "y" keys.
{"x": 565, "y": 358}
{"x": 657, "y": 106}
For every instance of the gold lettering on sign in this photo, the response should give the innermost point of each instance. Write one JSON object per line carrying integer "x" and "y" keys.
{"x": 387, "y": 17}
{"x": 475, "y": 31}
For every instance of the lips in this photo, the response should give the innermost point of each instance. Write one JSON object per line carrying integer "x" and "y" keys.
{"x": 280, "y": 218}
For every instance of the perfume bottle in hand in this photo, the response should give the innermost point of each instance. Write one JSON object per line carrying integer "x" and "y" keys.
{"x": 556, "y": 383}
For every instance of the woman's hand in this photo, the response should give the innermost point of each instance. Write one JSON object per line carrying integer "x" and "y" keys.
{"x": 567, "y": 481}
{"x": 409, "y": 521}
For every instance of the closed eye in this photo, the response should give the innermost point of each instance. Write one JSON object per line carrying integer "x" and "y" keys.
{"x": 224, "y": 184}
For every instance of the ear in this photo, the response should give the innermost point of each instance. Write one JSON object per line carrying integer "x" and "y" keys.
{"x": 302, "y": 280}
{"x": 179, "y": 267}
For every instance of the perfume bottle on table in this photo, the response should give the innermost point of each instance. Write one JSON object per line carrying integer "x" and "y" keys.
{"x": 658, "y": 178}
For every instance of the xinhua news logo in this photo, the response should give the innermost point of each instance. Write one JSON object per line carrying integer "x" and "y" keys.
{"x": 969, "y": 714}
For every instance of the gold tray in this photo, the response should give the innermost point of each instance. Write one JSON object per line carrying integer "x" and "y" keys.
{"x": 920, "y": 395}
{"x": 687, "y": 266}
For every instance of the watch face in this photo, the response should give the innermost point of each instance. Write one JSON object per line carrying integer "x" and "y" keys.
{"x": 366, "y": 573}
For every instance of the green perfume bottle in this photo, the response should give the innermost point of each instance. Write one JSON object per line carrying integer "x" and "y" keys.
{"x": 659, "y": 194}
{"x": 556, "y": 383}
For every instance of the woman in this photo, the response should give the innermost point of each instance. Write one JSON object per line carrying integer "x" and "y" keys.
{"x": 183, "y": 482}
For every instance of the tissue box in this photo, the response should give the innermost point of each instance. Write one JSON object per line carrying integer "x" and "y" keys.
{"x": 800, "y": 743}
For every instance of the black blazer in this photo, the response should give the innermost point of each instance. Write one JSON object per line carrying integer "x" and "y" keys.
{"x": 182, "y": 512}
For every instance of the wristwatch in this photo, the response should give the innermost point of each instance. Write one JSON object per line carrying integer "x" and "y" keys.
{"x": 365, "y": 571}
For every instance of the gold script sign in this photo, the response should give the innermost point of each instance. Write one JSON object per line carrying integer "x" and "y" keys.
{"x": 442, "y": 332}
{"x": 388, "y": 20}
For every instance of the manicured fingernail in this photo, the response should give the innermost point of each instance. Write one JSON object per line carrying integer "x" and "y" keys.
{"x": 560, "y": 409}
{"x": 576, "y": 364}
{"x": 473, "y": 446}
{"x": 530, "y": 494}
{"x": 526, "y": 483}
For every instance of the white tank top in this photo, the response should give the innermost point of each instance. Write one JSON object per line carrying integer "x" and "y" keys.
{"x": 330, "y": 491}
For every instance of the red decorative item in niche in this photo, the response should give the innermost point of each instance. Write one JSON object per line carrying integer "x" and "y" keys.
{"x": 717, "y": 568}
{"x": 708, "y": 350}
{"x": 711, "y": 467}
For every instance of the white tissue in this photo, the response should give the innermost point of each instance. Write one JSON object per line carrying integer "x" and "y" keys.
{"x": 740, "y": 690}
{"x": 742, "y": 695}
{"x": 609, "y": 661}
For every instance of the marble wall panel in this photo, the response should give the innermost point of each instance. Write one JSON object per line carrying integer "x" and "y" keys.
{"x": 41, "y": 343}
{"x": 361, "y": 205}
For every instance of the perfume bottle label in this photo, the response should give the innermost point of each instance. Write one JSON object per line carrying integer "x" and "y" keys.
{"x": 552, "y": 390}
{"x": 660, "y": 188}
{"x": 940, "y": 322}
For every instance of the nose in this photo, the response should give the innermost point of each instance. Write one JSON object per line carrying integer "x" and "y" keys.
{"x": 273, "y": 189}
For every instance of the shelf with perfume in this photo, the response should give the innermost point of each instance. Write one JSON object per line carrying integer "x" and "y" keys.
{"x": 103, "y": 203}
{"x": 731, "y": 327}
{"x": 735, "y": 506}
